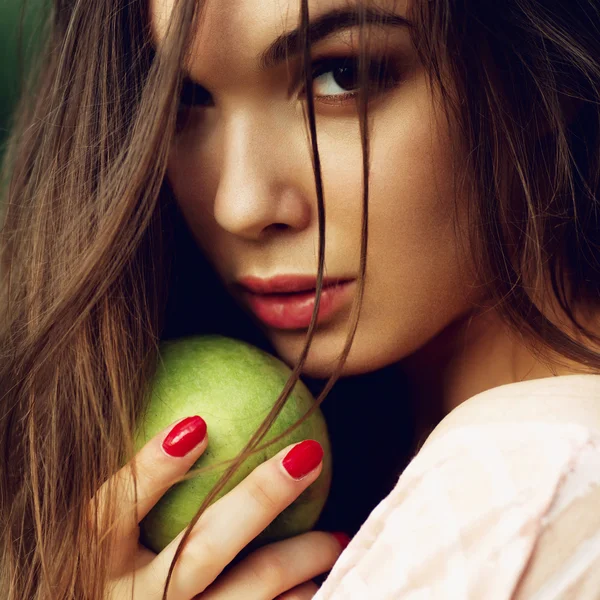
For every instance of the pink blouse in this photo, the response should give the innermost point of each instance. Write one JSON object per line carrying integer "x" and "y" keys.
{"x": 464, "y": 517}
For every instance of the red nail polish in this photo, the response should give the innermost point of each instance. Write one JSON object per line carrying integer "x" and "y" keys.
{"x": 303, "y": 458}
{"x": 185, "y": 436}
{"x": 342, "y": 538}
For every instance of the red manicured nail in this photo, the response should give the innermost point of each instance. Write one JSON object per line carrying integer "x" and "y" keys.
{"x": 342, "y": 538}
{"x": 303, "y": 458}
{"x": 185, "y": 436}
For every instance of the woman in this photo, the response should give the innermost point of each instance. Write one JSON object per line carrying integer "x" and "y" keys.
{"x": 471, "y": 133}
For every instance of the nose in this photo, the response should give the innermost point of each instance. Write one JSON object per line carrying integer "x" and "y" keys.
{"x": 259, "y": 188}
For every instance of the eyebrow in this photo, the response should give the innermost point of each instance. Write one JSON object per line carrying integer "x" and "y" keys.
{"x": 290, "y": 43}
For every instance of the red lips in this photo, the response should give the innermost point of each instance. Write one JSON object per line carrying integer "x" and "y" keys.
{"x": 283, "y": 284}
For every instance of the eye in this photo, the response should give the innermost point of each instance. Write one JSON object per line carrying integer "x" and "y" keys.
{"x": 339, "y": 77}
{"x": 193, "y": 94}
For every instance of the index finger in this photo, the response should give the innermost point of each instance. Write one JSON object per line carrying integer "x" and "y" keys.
{"x": 155, "y": 471}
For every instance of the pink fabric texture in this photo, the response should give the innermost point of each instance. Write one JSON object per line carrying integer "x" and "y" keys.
{"x": 464, "y": 517}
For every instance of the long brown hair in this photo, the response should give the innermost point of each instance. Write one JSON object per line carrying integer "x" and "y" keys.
{"x": 86, "y": 235}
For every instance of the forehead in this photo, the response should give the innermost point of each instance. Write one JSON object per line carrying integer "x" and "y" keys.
{"x": 244, "y": 28}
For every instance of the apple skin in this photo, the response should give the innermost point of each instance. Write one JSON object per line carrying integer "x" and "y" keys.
{"x": 232, "y": 385}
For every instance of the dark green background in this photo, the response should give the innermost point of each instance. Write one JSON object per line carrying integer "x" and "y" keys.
{"x": 13, "y": 67}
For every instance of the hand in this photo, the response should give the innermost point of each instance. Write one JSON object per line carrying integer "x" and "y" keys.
{"x": 223, "y": 530}
{"x": 281, "y": 570}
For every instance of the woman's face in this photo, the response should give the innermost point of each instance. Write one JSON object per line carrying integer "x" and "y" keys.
{"x": 242, "y": 174}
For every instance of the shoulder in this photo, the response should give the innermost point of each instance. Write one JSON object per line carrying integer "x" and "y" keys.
{"x": 565, "y": 561}
{"x": 498, "y": 504}
{"x": 543, "y": 439}
{"x": 566, "y": 399}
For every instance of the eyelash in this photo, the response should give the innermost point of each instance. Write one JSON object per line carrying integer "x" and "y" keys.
{"x": 382, "y": 72}
{"x": 382, "y": 75}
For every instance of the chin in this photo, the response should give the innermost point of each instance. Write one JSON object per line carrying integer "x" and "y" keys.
{"x": 326, "y": 348}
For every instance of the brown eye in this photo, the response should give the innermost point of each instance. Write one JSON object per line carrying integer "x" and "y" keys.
{"x": 193, "y": 94}
{"x": 343, "y": 73}
{"x": 340, "y": 76}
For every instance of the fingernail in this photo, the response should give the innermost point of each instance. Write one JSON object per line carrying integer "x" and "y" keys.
{"x": 303, "y": 458}
{"x": 185, "y": 436}
{"x": 342, "y": 538}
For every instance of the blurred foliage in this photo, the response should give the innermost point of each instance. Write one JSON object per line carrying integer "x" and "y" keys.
{"x": 22, "y": 27}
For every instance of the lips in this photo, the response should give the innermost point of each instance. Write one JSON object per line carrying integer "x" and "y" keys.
{"x": 293, "y": 308}
{"x": 287, "y": 284}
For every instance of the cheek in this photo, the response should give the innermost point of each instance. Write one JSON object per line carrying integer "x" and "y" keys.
{"x": 192, "y": 162}
{"x": 412, "y": 172}
{"x": 417, "y": 283}
{"x": 193, "y": 175}
{"x": 413, "y": 198}
{"x": 411, "y": 195}
{"x": 413, "y": 210}
{"x": 421, "y": 272}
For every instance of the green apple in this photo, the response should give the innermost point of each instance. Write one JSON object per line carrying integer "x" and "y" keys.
{"x": 232, "y": 385}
